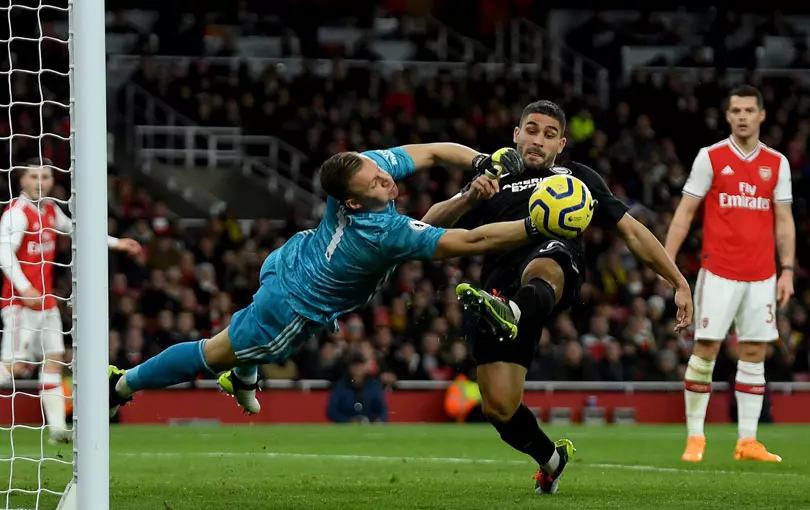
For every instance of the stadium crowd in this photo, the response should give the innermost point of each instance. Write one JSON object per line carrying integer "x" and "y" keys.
{"x": 643, "y": 146}
{"x": 190, "y": 280}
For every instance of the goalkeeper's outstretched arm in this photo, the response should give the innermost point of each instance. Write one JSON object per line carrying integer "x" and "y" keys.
{"x": 492, "y": 237}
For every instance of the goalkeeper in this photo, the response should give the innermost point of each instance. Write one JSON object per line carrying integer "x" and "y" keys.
{"x": 540, "y": 278}
{"x": 321, "y": 274}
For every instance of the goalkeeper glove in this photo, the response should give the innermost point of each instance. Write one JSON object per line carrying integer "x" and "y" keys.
{"x": 505, "y": 160}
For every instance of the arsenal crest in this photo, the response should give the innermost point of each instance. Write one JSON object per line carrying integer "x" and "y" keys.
{"x": 765, "y": 173}
{"x": 705, "y": 322}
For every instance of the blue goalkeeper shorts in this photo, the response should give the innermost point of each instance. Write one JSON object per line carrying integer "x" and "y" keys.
{"x": 268, "y": 330}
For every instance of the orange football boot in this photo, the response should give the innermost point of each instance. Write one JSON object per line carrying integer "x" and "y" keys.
{"x": 749, "y": 448}
{"x": 695, "y": 446}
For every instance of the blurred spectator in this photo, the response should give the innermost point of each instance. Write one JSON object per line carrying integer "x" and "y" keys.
{"x": 357, "y": 397}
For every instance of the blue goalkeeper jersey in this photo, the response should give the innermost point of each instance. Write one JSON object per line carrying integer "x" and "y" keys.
{"x": 339, "y": 266}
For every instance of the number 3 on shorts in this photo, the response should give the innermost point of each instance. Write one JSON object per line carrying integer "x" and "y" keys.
{"x": 770, "y": 318}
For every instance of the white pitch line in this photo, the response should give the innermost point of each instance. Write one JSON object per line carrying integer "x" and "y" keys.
{"x": 444, "y": 460}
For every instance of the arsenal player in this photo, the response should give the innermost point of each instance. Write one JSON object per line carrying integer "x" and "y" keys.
{"x": 32, "y": 326}
{"x": 746, "y": 190}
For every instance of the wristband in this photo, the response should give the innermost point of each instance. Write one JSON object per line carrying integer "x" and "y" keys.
{"x": 787, "y": 268}
{"x": 531, "y": 228}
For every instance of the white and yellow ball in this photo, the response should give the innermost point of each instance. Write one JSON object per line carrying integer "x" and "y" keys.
{"x": 561, "y": 206}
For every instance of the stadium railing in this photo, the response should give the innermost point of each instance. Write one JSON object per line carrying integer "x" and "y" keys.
{"x": 733, "y": 76}
{"x": 277, "y": 163}
{"x": 293, "y": 66}
{"x": 545, "y": 386}
{"x": 528, "y": 42}
{"x": 216, "y": 147}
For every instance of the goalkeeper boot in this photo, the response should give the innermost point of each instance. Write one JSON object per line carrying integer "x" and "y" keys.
{"x": 548, "y": 483}
{"x": 116, "y": 401}
{"x": 502, "y": 314}
{"x": 749, "y": 448}
{"x": 245, "y": 394}
{"x": 695, "y": 446}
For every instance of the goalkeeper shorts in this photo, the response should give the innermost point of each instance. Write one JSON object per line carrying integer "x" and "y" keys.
{"x": 268, "y": 330}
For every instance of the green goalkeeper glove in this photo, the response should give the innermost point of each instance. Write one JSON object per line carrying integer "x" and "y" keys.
{"x": 505, "y": 160}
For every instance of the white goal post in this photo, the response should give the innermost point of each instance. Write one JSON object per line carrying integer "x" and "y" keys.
{"x": 91, "y": 473}
{"x": 52, "y": 59}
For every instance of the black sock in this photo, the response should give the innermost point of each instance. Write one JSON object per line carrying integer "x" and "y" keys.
{"x": 524, "y": 435}
{"x": 536, "y": 299}
{"x": 536, "y": 302}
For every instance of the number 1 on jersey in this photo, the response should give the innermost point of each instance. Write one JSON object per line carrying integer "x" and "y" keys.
{"x": 337, "y": 236}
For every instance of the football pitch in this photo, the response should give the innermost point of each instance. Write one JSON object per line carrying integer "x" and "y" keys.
{"x": 417, "y": 467}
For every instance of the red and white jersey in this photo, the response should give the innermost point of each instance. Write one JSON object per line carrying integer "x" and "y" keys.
{"x": 739, "y": 192}
{"x": 28, "y": 248}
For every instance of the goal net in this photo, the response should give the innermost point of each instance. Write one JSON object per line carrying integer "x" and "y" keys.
{"x": 50, "y": 238}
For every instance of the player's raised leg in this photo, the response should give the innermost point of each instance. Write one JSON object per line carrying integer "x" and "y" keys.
{"x": 716, "y": 303}
{"x": 179, "y": 363}
{"x": 756, "y": 327}
{"x": 503, "y": 365}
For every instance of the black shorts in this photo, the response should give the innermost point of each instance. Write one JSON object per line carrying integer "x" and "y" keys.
{"x": 486, "y": 348}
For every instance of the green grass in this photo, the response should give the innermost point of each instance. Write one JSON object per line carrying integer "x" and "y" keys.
{"x": 419, "y": 467}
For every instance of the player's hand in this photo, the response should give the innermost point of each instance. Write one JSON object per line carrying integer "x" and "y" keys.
{"x": 131, "y": 246}
{"x": 31, "y": 298}
{"x": 482, "y": 188}
{"x": 505, "y": 160}
{"x": 784, "y": 288}
{"x": 683, "y": 300}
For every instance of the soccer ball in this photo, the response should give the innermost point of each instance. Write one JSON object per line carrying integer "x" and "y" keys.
{"x": 561, "y": 206}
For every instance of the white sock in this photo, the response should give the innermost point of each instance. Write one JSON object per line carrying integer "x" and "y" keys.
{"x": 553, "y": 463}
{"x": 698, "y": 387}
{"x": 515, "y": 310}
{"x": 5, "y": 375}
{"x": 52, "y": 396}
{"x": 122, "y": 388}
{"x": 750, "y": 392}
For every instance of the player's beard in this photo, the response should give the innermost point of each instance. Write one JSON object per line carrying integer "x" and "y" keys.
{"x": 535, "y": 159}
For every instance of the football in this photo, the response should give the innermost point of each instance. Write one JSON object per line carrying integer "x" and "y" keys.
{"x": 561, "y": 206}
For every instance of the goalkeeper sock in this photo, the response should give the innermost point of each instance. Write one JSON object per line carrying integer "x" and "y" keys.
{"x": 179, "y": 363}
{"x": 698, "y": 387}
{"x": 749, "y": 388}
{"x": 524, "y": 435}
{"x": 52, "y": 396}
{"x": 248, "y": 374}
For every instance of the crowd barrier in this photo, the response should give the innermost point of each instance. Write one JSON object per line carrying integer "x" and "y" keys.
{"x": 414, "y": 401}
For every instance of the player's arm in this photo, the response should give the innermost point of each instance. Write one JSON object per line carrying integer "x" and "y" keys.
{"x": 64, "y": 225}
{"x": 646, "y": 247}
{"x": 785, "y": 230}
{"x": 696, "y": 187}
{"x": 407, "y": 239}
{"x": 13, "y": 225}
{"x": 448, "y": 212}
{"x": 486, "y": 238}
{"x": 613, "y": 213}
{"x": 483, "y": 187}
{"x": 428, "y": 155}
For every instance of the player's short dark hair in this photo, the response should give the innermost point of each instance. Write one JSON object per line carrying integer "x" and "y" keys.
{"x": 336, "y": 173}
{"x": 746, "y": 91}
{"x": 37, "y": 162}
{"x": 544, "y": 107}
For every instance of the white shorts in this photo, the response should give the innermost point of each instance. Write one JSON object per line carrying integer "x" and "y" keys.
{"x": 30, "y": 335}
{"x": 750, "y": 306}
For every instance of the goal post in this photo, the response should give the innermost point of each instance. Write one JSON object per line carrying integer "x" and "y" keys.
{"x": 91, "y": 473}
